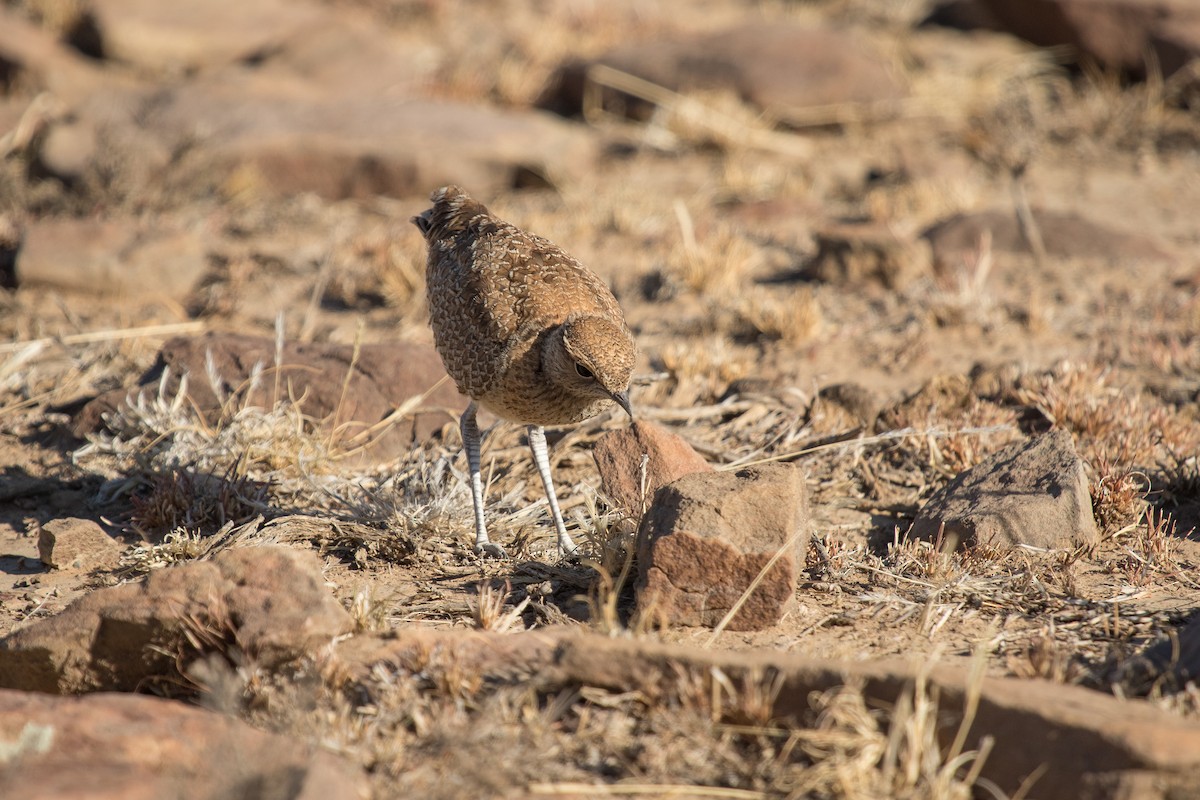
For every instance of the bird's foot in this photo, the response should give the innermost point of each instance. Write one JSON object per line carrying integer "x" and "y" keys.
{"x": 569, "y": 551}
{"x": 490, "y": 550}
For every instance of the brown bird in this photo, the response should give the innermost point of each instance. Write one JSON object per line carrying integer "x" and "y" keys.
{"x": 525, "y": 331}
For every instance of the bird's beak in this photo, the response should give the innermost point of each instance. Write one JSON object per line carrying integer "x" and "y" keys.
{"x": 622, "y": 399}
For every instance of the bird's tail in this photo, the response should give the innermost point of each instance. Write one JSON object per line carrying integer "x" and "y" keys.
{"x": 453, "y": 209}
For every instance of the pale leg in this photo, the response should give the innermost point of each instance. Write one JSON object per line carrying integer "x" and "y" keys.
{"x": 470, "y": 437}
{"x": 537, "y": 443}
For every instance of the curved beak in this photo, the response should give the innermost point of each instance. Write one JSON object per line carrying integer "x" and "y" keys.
{"x": 622, "y": 399}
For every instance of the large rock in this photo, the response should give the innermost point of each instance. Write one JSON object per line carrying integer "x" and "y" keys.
{"x": 619, "y": 457}
{"x": 1033, "y": 493}
{"x": 1079, "y": 742}
{"x": 117, "y": 257}
{"x": 350, "y": 393}
{"x": 281, "y": 133}
{"x": 268, "y": 603}
{"x": 708, "y": 538}
{"x": 134, "y": 747}
{"x": 784, "y": 69}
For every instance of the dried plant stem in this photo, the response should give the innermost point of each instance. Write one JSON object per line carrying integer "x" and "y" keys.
{"x": 92, "y": 337}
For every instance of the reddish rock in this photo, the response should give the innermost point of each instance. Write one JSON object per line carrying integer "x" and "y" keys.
{"x": 81, "y": 544}
{"x": 707, "y": 538}
{"x": 134, "y": 747}
{"x": 784, "y": 69}
{"x": 268, "y": 603}
{"x": 1032, "y": 492}
{"x": 347, "y": 392}
{"x": 111, "y": 257}
{"x": 619, "y": 456}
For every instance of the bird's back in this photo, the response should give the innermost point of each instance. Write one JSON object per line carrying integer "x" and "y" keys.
{"x": 493, "y": 288}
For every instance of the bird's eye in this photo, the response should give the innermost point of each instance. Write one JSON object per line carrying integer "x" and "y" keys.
{"x": 583, "y": 371}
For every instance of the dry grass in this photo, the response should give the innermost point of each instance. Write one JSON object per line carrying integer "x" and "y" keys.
{"x": 419, "y": 732}
{"x": 740, "y": 348}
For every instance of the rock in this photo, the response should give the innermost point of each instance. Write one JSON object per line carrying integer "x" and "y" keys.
{"x": 282, "y": 134}
{"x": 332, "y": 106}
{"x": 1176, "y": 658}
{"x": 33, "y": 58}
{"x": 382, "y": 378}
{"x": 842, "y": 407}
{"x": 118, "y": 257}
{"x": 177, "y": 39}
{"x": 10, "y": 243}
{"x": 268, "y": 603}
{"x": 857, "y": 255}
{"x": 1033, "y": 493}
{"x": 134, "y": 747}
{"x": 785, "y": 69}
{"x": 68, "y": 150}
{"x": 81, "y": 544}
{"x": 1081, "y": 743}
{"x": 708, "y": 536}
{"x": 619, "y": 455}
{"x": 1066, "y": 235}
{"x": 1115, "y": 34}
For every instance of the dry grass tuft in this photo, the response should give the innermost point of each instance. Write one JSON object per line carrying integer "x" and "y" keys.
{"x": 716, "y": 263}
{"x": 794, "y": 319}
{"x": 489, "y": 612}
{"x": 197, "y": 501}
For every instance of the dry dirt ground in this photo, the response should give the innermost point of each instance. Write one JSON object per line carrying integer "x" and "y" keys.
{"x": 706, "y": 220}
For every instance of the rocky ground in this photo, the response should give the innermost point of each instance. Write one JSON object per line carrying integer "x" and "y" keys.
{"x": 910, "y": 507}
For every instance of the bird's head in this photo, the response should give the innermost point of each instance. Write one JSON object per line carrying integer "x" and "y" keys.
{"x": 591, "y": 356}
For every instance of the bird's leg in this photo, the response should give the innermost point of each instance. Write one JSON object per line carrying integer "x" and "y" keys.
{"x": 470, "y": 436}
{"x": 537, "y": 443}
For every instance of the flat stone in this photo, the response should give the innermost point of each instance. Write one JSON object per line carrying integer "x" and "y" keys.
{"x": 619, "y": 457}
{"x": 783, "y": 68}
{"x": 1032, "y": 493}
{"x": 1065, "y": 235}
{"x": 269, "y": 602}
{"x": 79, "y": 544}
{"x": 1080, "y": 742}
{"x": 135, "y": 747}
{"x": 709, "y": 536}
{"x": 182, "y": 37}
{"x": 278, "y": 133}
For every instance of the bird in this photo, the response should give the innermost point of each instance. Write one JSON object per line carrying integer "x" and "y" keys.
{"x": 524, "y": 330}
